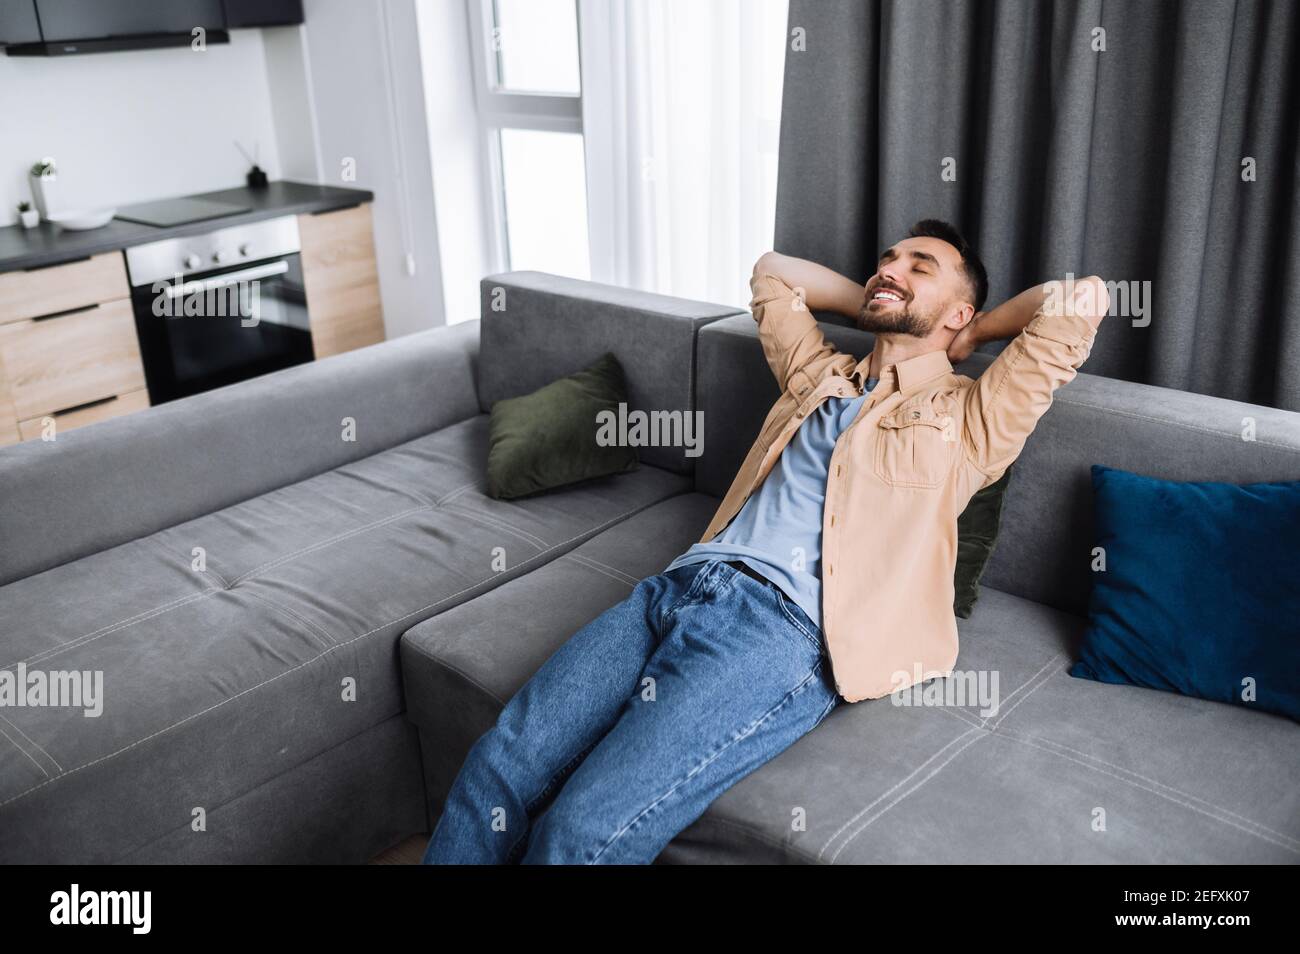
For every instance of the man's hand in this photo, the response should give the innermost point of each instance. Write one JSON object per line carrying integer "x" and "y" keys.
{"x": 1085, "y": 296}
{"x": 967, "y": 340}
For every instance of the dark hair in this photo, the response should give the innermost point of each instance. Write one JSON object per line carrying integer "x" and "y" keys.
{"x": 971, "y": 264}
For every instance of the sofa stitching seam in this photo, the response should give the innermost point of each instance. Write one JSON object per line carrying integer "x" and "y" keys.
{"x": 496, "y": 523}
{"x": 36, "y": 745}
{"x": 319, "y": 634}
{"x": 607, "y": 570}
{"x": 29, "y": 755}
{"x": 1032, "y": 684}
{"x": 321, "y": 544}
{"x": 975, "y": 736}
{"x": 114, "y": 627}
{"x": 903, "y": 781}
{"x": 993, "y": 722}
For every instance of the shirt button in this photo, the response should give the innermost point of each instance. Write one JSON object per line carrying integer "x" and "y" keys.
{"x": 838, "y": 468}
{"x": 832, "y": 520}
{"x": 915, "y": 415}
{"x": 830, "y": 569}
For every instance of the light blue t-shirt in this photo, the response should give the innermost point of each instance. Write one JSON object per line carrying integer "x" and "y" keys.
{"x": 778, "y": 531}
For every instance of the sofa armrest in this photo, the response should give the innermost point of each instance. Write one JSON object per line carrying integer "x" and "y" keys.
{"x": 111, "y": 482}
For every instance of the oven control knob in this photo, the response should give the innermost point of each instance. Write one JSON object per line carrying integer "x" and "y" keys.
{"x": 192, "y": 261}
{"x": 245, "y": 249}
{"x": 219, "y": 256}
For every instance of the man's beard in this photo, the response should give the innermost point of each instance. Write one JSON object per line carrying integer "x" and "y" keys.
{"x": 893, "y": 322}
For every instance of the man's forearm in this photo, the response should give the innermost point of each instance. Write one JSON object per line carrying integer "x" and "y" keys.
{"x": 1009, "y": 318}
{"x": 820, "y": 288}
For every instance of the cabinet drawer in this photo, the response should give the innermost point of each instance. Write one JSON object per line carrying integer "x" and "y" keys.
{"x": 48, "y": 291}
{"x": 86, "y": 414}
{"x": 58, "y": 363}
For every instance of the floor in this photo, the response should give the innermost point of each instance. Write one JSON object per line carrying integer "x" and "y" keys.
{"x": 408, "y": 852}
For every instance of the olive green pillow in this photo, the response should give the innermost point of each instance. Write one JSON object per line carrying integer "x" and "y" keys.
{"x": 547, "y": 439}
{"x": 977, "y": 531}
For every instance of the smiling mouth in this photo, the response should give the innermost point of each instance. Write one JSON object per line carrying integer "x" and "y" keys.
{"x": 884, "y": 296}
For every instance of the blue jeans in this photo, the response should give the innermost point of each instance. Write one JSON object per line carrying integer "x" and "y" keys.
{"x": 638, "y": 722}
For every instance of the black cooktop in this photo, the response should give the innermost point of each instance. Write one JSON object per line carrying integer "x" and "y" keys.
{"x": 168, "y": 212}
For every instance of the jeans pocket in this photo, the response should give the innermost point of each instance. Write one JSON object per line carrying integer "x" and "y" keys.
{"x": 798, "y": 618}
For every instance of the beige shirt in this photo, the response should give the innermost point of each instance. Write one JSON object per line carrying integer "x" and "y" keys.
{"x": 925, "y": 440}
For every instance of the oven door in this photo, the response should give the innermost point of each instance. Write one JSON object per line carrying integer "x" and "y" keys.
{"x": 222, "y": 326}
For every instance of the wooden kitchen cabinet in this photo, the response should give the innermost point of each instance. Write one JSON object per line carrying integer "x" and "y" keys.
{"x": 54, "y": 364}
{"x": 341, "y": 280}
{"x": 85, "y": 414}
{"x": 48, "y": 291}
{"x": 68, "y": 347}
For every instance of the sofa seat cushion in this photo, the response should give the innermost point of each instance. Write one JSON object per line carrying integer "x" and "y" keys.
{"x": 280, "y": 644}
{"x": 460, "y": 672}
{"x": 1175, "y": 779}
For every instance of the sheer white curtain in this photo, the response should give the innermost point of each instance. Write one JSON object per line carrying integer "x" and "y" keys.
{"x": 681, "y": 115}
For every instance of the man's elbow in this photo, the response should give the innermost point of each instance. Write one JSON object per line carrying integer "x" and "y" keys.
{"x": 768, "y": 264}
{"x": 1092, "y": 299}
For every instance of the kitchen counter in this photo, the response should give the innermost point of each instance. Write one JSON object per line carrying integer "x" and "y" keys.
{"x": 47, "y": 244}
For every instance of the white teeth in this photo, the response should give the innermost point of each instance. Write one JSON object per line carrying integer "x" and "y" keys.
{"x": 885, "y": 296}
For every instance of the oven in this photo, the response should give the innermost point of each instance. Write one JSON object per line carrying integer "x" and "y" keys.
{"x": 219, "y": 307}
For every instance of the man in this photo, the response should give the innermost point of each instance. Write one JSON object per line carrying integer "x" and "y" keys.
{"x": 825, "y": 575}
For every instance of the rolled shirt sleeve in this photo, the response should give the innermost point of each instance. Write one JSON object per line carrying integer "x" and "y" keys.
{"x": 1017, "y": 388}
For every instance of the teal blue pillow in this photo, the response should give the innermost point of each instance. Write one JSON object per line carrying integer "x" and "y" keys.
{"x": 1201, "y": 589}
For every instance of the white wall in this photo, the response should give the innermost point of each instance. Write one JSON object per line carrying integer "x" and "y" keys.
{"x": 455, "y": 144}
{"x": 135, "y": 125}
{"x": 143, "y": 124}
{"x": 348, "y": 59}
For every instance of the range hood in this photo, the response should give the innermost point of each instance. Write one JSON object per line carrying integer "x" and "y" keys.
{"x": 138, "y": 41}
{"x": 69, "y": 27}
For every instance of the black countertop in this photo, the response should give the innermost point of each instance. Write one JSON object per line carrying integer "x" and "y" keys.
{"x": 47, "y": 244}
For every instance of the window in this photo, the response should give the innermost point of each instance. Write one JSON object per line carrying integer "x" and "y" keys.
{"x": 529, "y": 95}
{"x": 536, "y": 46}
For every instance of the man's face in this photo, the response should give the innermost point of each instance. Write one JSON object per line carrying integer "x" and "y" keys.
{"x": 917, "y": 283}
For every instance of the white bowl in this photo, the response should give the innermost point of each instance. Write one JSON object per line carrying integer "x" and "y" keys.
{"x": 83, "y": 219}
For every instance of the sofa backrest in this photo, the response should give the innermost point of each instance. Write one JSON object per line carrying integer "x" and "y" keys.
{"x": 104, "y": 485}
{"x": 538, "y": 327}
{"x": 1045, "y": 544}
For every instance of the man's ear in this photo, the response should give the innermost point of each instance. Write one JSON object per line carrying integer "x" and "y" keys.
{"x": 962, "y": 315}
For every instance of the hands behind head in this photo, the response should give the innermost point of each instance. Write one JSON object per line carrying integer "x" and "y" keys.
{"x": 965, "y": 341}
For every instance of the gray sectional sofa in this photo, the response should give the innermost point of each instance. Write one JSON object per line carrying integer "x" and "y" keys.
{"x": 301, "y": 635}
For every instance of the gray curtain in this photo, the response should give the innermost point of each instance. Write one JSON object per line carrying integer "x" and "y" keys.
{"x": 1126, "y": 163}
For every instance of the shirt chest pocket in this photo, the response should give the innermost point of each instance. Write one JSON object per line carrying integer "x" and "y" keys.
{"x": 916, "y": 445}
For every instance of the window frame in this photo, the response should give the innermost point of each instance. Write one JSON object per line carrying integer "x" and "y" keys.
{"x": 498, "y": 109}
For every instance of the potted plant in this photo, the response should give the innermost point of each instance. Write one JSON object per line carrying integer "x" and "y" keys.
{"x": 43, "y": 176}
{"x": 27, "y": 215}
